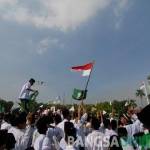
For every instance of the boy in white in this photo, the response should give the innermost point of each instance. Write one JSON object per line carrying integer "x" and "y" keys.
{"x": 24, "y": 95}
{"x": 66, "y": 116}
{"x": 94, "y": 140}
{"x": 21, "y": 133}
{"x": 42, "y": 142}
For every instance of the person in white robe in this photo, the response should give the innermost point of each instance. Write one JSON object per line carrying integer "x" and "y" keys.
{"x": 21, "y": 132}
{"x": 42, "y": 142}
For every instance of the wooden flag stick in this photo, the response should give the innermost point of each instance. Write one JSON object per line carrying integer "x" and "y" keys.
{"x": 87, "y": 83}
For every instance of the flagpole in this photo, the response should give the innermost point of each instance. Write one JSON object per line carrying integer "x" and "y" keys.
{"x": 85, "y": 68}
{"x": 87, "y": 83}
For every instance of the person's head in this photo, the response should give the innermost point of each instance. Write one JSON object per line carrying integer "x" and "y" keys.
{"x": 7, "y": 117}
{"x": 10, "y": 140}
{"x": 57, "y": 119}
{"x": 113, "y": 124}
{"x": 124, "y": 119}
{"x": 32, "y": 81}
{"x": 50, "y": 118}
{"x": 13, "y": 120}
{"x": 106, "y": 123}
{"x": 95, "y": 123}
{"x": 42, "y": 124}
{"x": 66, "y": 113}
{"x": 137, "y": 110}
{"x": 30, "y": 118}
{"x": 70, "y": 133}
{"x": 20, "y": 120}
{"x": 130, "y": 110}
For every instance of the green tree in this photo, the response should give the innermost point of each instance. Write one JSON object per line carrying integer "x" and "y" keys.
{"x": 5, "y": 106}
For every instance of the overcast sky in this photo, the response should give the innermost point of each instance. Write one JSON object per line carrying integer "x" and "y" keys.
{"x": 44, "y": 38}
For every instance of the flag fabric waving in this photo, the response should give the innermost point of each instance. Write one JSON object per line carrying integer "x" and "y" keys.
{"x": 142, "y": 87}
{"x": 79, "y": 94}
{"x": 85, "y": 69}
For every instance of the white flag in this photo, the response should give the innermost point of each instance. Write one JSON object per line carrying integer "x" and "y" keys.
{"x": 110, "y": 103}
{"x": 72, "y": 109}
{"x": 142, "y": 87}
{"x": 104, "y": 112}
{"x": 126, "y": 104}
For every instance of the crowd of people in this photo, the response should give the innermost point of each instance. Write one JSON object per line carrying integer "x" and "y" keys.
{"x": 61, "y": 129}
{"x": 64, "y": 129}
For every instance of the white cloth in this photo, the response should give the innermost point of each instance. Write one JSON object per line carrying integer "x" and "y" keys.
{"x": 82, "y": 131}
{"x": 94, "y": 141}
{"x": 69, "y": 147}
{"x": 65, "y": 146}
{"x": 76, "y": 123}
{"x": 21, "y": 136}
{"x": 102, "y": 128}
{"x": 54, "y": 135}
{"x": 110, "y": 132}
{"x": 5, "y": 126}
{"x": 35, "y": 136}
{"x": 134, "y": 128}
{"x": 134, "y": 117}
{"x": 25, "y": 93}
{"x": 51, "y": 132}
{"x": 46, "y": 144}
{"x": 42, "y": 143}
{"x": 61, "y": 126}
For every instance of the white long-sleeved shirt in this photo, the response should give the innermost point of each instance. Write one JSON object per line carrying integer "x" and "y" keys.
{"x": 94, "y": 141}
{"x": 61, "y": 126}
{"x": 25, "y": 93}
{"x": 134, "y": 128}
{"x": 110, "y": 132}
{"x": 35, "y": 136}
{"x": 21, "y": 136}
{"x": 65, "y": 146}
{"x": 42, "y": 143}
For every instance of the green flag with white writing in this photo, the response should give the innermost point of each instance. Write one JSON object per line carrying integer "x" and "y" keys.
{"x": 79, "y": 94}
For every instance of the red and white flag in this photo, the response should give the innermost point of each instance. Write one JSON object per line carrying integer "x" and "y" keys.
{"x": 85, "y": 69}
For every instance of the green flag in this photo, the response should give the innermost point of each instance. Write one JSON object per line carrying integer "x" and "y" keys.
{"x": 79, "y": 94}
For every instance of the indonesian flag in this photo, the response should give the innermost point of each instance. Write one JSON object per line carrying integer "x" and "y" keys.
{"x": 85, "y": 69}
